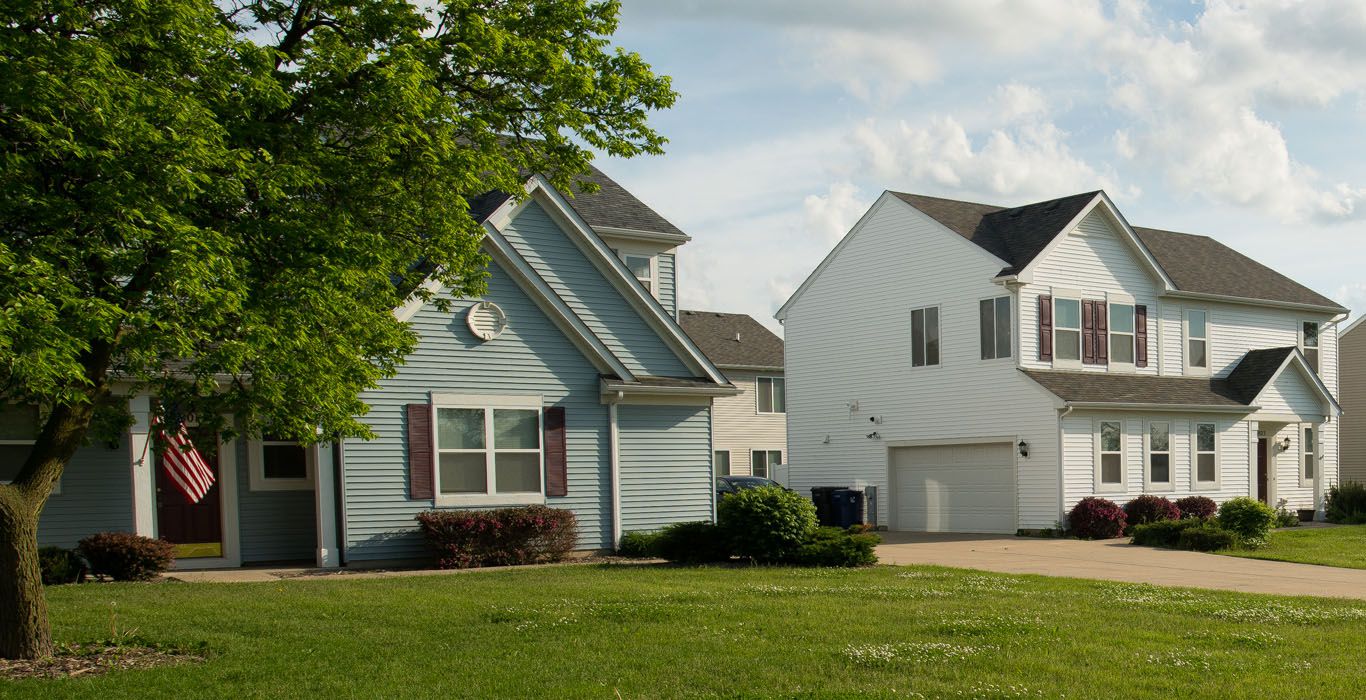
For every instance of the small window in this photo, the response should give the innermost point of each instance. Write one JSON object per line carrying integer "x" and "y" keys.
{"x": 1067, "y": 330}
{"x": 1309, "y": 343}
{"x": 720, "y": 462}
{"x": 490, "y": 451}
{"x": 1110, "y": 447}
{"x": 280, "y": 465}
{"x": 1206, "y": 455}
{"x": 994, "y": 321}
{"x": 761, "y": 462}
{"x": 1121, "y": 333}
{"x": 925, "y": 336}
{"x": 771, "y": 395}
{"x": 18, "y": 431}
{"x": 1310, "y": 455}
{"x": 643, "y": 267}
{"x": 1159, "y": 454}
{"x": 1197, "y": 339}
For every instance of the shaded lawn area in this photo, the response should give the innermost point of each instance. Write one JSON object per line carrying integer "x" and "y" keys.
{"x": 1344, "y": 546}
{"x": 655, "y": 631}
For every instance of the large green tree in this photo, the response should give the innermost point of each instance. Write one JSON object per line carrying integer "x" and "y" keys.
{"x": 221, "y": 203}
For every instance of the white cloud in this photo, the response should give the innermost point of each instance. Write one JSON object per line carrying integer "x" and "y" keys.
{"x": 1352, "y": 296}
{"x": 1015, "y": 102}
{"x": 831, "y": 215}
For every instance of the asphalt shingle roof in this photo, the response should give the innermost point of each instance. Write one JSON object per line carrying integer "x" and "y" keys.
{"x": 732, "y": 339}
{"x": 611, "y": 206}
{"x": 1256, "y": 369}
{"x": 1202, "y": 264}
{"x": 1103, "y": 387}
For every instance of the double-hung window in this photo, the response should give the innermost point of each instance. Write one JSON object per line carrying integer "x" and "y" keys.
{"x": 761, "y": 462}
{"x": 1309, "y": 468}
{"x": 1067, "y": 330}
{"x": 643, "y": 268}
{"x": 280, "y": 465}
{"x": 771, "y": 395}
{"x": 1110, "y": 456}
{"x": 925, "y": 336}
{"x": 994, "y": 327}
{"x": 1121, "y": 333}
{"x": 1197, "y": 341}
{"x": 1206, "y": 473}
{"x": 720, "y": 462}
{"x": 1159, "y": 472}
{"x": 489, "y": 449}
{"x": 1309, "y": 342}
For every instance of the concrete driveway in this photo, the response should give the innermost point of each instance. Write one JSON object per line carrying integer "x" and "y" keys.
{"x": 1116, "y": 560}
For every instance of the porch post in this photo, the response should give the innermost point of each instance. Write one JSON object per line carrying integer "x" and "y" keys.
{"x": 1319, "y": 476}
{"x": 140, "y": 462}
{"x": 325, "y": 498}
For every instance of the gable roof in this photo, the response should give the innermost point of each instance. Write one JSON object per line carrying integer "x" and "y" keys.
{"x": 1256, "y": 370}
{"x": 614, "y": 207}
{"x": 733, "y": 340}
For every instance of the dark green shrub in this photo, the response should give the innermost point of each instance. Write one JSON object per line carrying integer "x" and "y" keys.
{"x": 499, "y": 537}
{"x": 61, "y": 566}
{"x": 124, "y": 556}
{"x": 1248, "y": 518}
{"x": 1346, "y": 503}
{"x": 1201, "y": 507}
{"x": 692, "y": 543}
{"x": 766, "y": 524}
{"x": 1206, "y": 538}
{"x": 1163, "y": 533}
{"x": 639, "y": 545}
{"x": 831, "y": 546}
{"x": 1096, "y": 519}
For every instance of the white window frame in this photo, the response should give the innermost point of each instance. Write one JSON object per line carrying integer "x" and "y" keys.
{"x": 729, "y": 464}
{"x": 1111, "y": 302}
{"x": 1196, "y": 483}
{"x": 1308, "y": 450}
{"x": 650, "y": 283}
{"x": 768, "y": 464}
{"x": 1149, "y": 485}
{"x": 57, "y": 487}
{"x": 939, "y": 333}
{"x": 1123, "y": 485}
{"x": 758, "y": 407}
{"x": 1317, "y": 361}
{"x": 487, "y": 402}
{"x": 995, "y": 329}
{"x": 1075, "y": 297}
{"x": 256, "y": 472}
{"x": 1186, "y": 339}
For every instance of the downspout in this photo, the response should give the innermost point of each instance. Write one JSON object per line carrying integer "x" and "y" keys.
{"x": 614, "y": 434}
{"x": 1062, "y": 469}
{"x": 339, "y": 478}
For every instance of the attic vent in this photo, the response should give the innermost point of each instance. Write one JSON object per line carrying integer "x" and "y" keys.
{"x": 737, "y": 336}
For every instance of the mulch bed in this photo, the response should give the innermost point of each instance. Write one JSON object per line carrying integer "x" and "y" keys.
{"x": 95, "y": 659}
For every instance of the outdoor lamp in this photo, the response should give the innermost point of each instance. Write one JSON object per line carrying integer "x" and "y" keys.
{"x": 1024, "y": 448}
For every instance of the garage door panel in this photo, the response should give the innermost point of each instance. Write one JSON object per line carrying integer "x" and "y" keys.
{"x": 954, "y": 488}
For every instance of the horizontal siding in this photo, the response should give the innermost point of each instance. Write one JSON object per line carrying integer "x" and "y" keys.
{"x": 1353, "y": 423}
{"x": 1291, "y": 394}
{"x": 530, "y": 357}
{"x": 665, "y": 465}
{"x": 97, "y": 496}
{"x": 740, "y": 428}
{"x": 273, "y": 525}
{"x": 668, "y": 284}
{"x": 591, "y": 296}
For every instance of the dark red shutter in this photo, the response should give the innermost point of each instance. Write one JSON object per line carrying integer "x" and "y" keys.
{"x": 556, "y": 467}
{"x": 421, "y": 463}
{"x": 1102, "y": 333}
{"x": 1045, "y": 328}
{"x": 1088, "y": 331}
{"x": 1141, "y": 336}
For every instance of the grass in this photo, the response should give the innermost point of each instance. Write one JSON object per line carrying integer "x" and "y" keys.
{"x": 657, "y": 632}
{"x": 1343, "y": 546}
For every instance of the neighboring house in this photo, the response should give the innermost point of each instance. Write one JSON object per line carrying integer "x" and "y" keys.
{"x": 750, "y": 429}
{"x": 989, "y": 367}
{"x": 569, "y": 383}
{"x": 1353, "y": 428}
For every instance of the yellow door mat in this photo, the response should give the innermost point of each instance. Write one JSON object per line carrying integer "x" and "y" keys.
{"x": 199, "y": 550}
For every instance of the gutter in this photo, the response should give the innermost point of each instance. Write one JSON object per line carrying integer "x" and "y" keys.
{"x": 615, "y": 389}
{"x": 1184, "y": 408}
{"x": 1202, "y": 296}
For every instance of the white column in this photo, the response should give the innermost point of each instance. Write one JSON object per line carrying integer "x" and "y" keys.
{"x": 616, "y": 473}
{"x": 1319, "y": 477}
{"x": 141, "y": 463}
{"x": 325, "y": 495}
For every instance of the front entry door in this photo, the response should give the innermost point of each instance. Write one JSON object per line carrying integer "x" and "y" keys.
{"x": 1261, "y": 470}
{"x": 195, "y": 528}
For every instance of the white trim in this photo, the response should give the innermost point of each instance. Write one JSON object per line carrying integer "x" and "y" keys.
{"x": 651, "y": 259}
{"x": 1097, "y": 485}
{"x": 488, "y": 403}
{"x": 256, "y": 468}
{"x": 1299, "y": 338}
{"x": 730, "y": 464}
{"x": 227, "y": 493}
{"x": 446, "y": 400}
{"x": 325, "y": 506}
{"x": 1316, "y": 453}
{"x": 614, "y": 440}
{"x": 1150, "y": 486}
{"x": 1196, "y": 484}
{"x": 1250, "y": 301}
{"x": 1186, "y": 368}
{"x": 676, "y": 239}
{"x": 142, "y": 465}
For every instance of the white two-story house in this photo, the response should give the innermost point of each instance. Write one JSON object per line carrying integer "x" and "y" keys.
{"x": 988, "y": 367}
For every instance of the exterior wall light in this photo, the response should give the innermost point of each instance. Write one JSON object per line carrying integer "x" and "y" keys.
{"x": 1024, "y": 448}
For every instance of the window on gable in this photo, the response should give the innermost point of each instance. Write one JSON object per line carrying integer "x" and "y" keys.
{"x": 643, "y": 268}
{"x": 1111, "y": 450}
{"x": 1067, "y": 329}
{"x": 994, "y": 324}
{"x": 1197, "y": 339}
{"x": 925, "y": 336}
{"x": 771, "y": 395}
{"x": 1310, "y": 454}
{"x": 1159, "y": 454}
{"x": 761, "y": 462}
{"x": 487, "y": 450}
{"x": 1309, "y": 343}
{"x": 1121, "y": 333}
{"x": 1206, "y": 456}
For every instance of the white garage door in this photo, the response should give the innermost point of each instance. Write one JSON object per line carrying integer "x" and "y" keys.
{"x": 954, "y": 488}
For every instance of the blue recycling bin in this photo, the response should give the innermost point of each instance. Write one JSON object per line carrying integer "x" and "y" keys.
{"x": 848, "y": 507}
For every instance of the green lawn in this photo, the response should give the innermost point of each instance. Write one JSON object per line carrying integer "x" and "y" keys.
{"x": 1343, "y": 546}
{"x": 655, "y": 631}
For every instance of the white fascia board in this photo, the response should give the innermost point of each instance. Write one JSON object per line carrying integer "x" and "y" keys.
{"x": 498, "y": 219}
{"x": 1157, "y": 407}
{"x": 1249, "y": 301}
{"x": 1297, "y": 358}
{"x": 675, "y": 239}
{"x": 615, "y": 271}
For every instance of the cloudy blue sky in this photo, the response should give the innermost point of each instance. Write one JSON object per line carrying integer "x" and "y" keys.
{"x": 1246, "y": 123}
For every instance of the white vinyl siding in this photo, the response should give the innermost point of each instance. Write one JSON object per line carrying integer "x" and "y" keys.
{"x": 1353, "y": 398}
{"x": 740, "y": 429}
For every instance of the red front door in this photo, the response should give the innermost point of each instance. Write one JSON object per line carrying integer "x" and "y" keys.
{"x": 196, "y": 527}
{"x": 1261, "y": 469}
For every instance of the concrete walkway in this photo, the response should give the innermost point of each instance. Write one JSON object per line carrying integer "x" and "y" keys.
{"x": 1116, "y": 560}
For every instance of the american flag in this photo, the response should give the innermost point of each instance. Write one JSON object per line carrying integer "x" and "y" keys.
{"x": 183, "y": 463}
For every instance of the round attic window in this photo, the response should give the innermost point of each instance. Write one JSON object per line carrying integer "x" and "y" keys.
{"x": 486, "y": 320}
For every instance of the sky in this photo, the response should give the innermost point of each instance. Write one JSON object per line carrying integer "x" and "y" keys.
{"x": 1246, "y": 123}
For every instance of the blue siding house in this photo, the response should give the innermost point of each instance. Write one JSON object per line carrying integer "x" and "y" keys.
{"x": 568, "y": 384}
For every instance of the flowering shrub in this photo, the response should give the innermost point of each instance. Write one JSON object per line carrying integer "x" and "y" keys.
{"x": 124, "y": 556}
{"x": 766, "y": 524}
{"x": 1198, "y": 507}
{"x": 1248, "y": 518}
{"x": 501, "y": 537}
{"x": 1096, "y": 519}
{"x": 1150, "y": 509}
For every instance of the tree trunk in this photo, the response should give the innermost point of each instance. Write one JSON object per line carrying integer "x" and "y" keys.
{"x": 24, "y": 629}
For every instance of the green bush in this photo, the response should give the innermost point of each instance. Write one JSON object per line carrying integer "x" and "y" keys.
{"x": 1248, "y": 518}
{"x": 1286, "y": 517}
{"x": 639, "y": 545}
{"x": 1163, "y": 533}
{"x": 1206, "y": 538}
{"x": 61, "y": 566}
{"x": 831, "y": 546}
{"x": 1346, "y": 503}
{"x": 692, "y": 543}
{"x": 124, "y": 556}
{"x": 766, "y": 524}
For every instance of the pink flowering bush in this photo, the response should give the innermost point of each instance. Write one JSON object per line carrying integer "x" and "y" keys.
{"x": 501, "y": 537}
{"x": 1096, "y": 519}
{"x": 1150, "y": 509}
